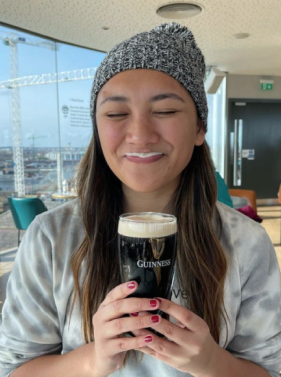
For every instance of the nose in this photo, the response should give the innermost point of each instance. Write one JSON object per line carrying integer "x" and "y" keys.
{"x": 141, "y": 131}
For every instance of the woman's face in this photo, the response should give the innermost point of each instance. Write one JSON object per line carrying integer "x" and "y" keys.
{"x": 148, "y": 127}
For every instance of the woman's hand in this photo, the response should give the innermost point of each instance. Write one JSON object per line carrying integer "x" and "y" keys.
{"x": 189, "y": 348}
{"x": 110, "y": 344}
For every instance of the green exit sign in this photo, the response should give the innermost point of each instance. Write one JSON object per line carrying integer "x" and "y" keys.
{"x": 266, "y": 85}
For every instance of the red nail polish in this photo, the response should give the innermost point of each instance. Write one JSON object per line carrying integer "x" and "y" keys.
{"x": 131, "y": 285}
{"x": 153, "y": 303}
{"x": 155, "y": 318}
{"x": 148, "y": 339}
{"x": 134, "y": 314}
{"x": 159, "y": 300}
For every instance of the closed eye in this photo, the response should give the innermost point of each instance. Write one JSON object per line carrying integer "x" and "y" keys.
{"x": 170, "y": 112}
{"x": 116, "y": 115}
{"x": 161, "y": 113}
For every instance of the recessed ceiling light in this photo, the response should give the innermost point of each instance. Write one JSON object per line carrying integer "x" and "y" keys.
{"x": 105, "y": 28}
{"x": 179, "y": 10}
{"x": 241, "y": 35}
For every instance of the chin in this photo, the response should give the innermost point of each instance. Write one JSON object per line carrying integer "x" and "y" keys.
{"x": 144, "y": 187}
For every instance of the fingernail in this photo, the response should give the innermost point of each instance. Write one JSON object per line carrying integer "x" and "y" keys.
{"x": 153, "y": 303}
{"x": 155, "y": 318}
{"x": 134, "y": 314}
{"x": 159, "y": 300}
{"x": 148, "y": 339}
{"x": 131, "y": 285}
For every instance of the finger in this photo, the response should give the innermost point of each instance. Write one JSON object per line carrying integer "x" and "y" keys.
{"x": 180, "y": 325}
{"x": 139, "y": 314}
{"x": 151, "y": 352}
{"x": 190, "y": 320}
{"x": 163, "y": 347}
{"x": 125, "y": 344}
{"x": 159, "y": 349}
{"x": 175, "y": 334}
{"x": 121, "y": 291}
{"x": 124, "y": 325}
{"x": 144, "y": 349}
{"x": 173, "y": 320}
{"x": 133, "y": 305}
{"x": 156, "y": 355}
{"x": 142, "y": 332}
{"x": 147, "y": 351}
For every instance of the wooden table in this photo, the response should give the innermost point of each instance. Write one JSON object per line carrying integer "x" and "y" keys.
{"x": 63, "y": 196}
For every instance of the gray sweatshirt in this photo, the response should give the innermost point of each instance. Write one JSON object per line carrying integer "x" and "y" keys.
{"x": 40, "y": 291}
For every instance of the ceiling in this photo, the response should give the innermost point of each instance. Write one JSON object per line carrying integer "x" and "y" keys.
{"x": 81, "y": 22}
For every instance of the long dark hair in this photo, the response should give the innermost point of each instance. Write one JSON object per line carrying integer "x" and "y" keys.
{"x": 201, "y": 260}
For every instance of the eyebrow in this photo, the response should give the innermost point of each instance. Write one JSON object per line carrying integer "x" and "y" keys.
{"x": 160, "y": 97}
{"x": 114, "y": 99}
{"x": 157, "y": 97}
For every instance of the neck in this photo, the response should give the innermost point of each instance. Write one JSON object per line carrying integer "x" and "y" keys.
{"x": 156, "y": 201}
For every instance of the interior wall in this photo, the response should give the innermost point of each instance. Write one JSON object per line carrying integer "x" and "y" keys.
{"x": 247, "y": 86}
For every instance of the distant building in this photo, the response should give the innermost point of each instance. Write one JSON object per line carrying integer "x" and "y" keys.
{"x": 66, "y": 155}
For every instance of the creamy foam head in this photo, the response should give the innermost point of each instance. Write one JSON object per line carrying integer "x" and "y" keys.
{"x": 147, "y": 225}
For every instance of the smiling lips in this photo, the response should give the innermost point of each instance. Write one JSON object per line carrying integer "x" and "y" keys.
{"x": 144, "y": 158}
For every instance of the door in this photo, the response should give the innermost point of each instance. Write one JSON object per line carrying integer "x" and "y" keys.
{"x": 254, "y": 160}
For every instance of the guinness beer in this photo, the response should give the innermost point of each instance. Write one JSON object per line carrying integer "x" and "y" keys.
{"x": 147, "y": 250}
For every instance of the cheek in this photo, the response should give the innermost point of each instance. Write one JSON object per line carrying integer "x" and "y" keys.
{"x": 183, "y": 141}
{"x": 183, "y": 147}
{"x": 110, "y": 139}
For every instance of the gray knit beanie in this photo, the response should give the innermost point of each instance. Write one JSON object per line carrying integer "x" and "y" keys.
{"x": 168, "y": 48}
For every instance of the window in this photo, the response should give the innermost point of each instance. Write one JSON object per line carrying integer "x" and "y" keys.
{"x": 217, "y": 126}
{"x": 45, "y": 122}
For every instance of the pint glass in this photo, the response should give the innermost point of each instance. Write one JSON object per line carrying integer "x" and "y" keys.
{"x": 147, "y": 252}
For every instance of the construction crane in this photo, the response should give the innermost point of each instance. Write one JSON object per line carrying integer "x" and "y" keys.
{"x": 12, "y": 40}
{"x": 49, "y": 78}
{"x": 33, "y": 143}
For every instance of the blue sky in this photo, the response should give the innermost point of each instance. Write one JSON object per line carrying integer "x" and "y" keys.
{"x": 39, "y": 103}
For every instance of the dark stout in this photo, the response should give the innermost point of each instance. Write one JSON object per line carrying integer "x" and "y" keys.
{"x": 149, "y": 262}
{"x": 147, "y": 250}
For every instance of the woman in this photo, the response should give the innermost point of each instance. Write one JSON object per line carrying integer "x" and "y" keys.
{"x": 65, "y": 307}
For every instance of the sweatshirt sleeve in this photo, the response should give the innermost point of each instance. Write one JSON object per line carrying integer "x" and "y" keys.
{"x": 30, "y": 325}
{"x": 258, "y": 328}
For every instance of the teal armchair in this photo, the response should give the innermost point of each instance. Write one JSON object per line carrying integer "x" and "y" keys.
{"x": 24, "y": 211}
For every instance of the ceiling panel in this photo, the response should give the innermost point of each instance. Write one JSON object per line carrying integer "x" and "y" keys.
{"x": 81, "y": 22}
